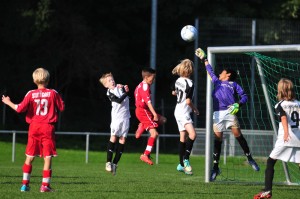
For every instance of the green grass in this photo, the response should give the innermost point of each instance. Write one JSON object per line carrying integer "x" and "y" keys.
{"x": 72, "y": 178}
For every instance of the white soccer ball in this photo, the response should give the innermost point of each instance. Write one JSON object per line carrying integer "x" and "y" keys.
{"x": 188, "y": 33}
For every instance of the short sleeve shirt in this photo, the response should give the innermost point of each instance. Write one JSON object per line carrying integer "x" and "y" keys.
{"x": 142, "y": 95}
{"x": 184, "y": 89}
{"x": 290, "y": 109}
{"x": 41, "y": 106}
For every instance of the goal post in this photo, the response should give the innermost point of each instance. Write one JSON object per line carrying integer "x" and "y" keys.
{"x": 212, "y": 54}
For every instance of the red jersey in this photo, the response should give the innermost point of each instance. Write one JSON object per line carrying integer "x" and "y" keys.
{"x": 142, "y": 95}
{"x": 41, "y": 106}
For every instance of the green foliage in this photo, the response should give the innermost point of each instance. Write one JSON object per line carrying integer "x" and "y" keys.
{"x": 40, "y": 16}
{"x": 290, "y": 9}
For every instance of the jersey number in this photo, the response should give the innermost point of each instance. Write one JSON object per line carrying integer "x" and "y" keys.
{"x": 42, "y": 107}
{"x": 295, "y": 118}
{"x": 179, "y": 95}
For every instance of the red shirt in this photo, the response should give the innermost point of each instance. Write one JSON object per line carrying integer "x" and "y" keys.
{"x": 41, "y": 106}
{"x": 142, "y": 95}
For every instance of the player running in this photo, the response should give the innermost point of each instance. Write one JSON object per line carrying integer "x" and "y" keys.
{"x": 184, "y": 90}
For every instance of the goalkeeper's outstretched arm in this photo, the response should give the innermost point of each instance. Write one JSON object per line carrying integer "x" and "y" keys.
{"x": 201, "y": 54}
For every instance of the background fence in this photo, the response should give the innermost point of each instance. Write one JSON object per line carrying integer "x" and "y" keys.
{"x": 229, "y": 144}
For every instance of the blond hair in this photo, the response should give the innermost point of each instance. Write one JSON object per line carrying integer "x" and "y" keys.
{"x": 285, "y": 90}
{"x": 41, "y": 76}
{"x": 102, "y": 80}
{"x": 184, "y": 69}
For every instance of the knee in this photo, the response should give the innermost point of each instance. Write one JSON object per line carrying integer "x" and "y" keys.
{"x": 122, "y": 140}
{"x": 29, "y": 160}
{"x": 193, "y": 136}
{"x": 218, "y": 138}
{"x": 154, "y": 134}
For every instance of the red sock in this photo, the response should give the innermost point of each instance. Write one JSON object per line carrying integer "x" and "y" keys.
{"x": 46, "y": 177}
{"x": 26, "y": 174}
{"x": 150, "y": 144}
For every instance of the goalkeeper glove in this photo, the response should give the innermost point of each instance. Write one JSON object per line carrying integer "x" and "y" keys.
{"x": 200, "y": 53}
{"x": 234, "y": 108}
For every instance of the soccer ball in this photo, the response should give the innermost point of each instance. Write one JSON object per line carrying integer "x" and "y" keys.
{"x": 188, "y": 33}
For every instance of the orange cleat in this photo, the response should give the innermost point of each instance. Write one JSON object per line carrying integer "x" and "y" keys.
{"x": 146, "y": 159}
{"x": 263, "y": 194}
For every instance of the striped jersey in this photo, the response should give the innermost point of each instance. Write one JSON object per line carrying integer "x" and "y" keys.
{"x": 184, "y": 88}
{"x": 290, "y": 109}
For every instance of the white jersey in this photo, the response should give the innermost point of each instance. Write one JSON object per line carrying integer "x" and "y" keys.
{"x": 184, "y": 88}
{"x": 120, "y": 104}
{"x": 290, "y": 109}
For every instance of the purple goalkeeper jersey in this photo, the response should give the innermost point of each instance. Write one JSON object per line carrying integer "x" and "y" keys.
{"x": 225, "y": 91}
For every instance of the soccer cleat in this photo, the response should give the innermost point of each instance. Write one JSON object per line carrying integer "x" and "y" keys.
{"x": 140, "y": 130}
{"x": 108, "y": 166}
{"x": 114, "y": 168}
{"x": 180, "y": 168}
{"x": 146, "y": 159}
{"x": 187, "y": 166}
{"x": 263, "y": 194}
{"x": 214, "y": 174}
{"x": 187, "y": 172}
{"x": 46, "y": 189}
{"x": 254, "y": 165}
{"x": 24, "y": 188}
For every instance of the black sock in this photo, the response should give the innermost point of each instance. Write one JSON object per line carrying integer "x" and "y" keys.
{"x": 119, "y": 152}
{"x": 188, "y": 148}
{"x": 217, "y": 153}
{"x": 110, "y": 151}
{"x": 181, "y": 152}
{"x": 269, "y": 174}
{"x": 243, "y": 143}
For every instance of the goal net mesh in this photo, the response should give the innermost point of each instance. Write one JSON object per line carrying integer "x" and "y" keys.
{"x": 254, "y": 116}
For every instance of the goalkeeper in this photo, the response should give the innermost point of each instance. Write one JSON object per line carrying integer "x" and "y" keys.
{"x": 225, "y": 107}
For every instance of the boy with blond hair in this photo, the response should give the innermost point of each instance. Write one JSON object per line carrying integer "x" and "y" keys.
{"x": 145, "y": 112}
{"x": 41, "y": 106}
{"x": 184, "y": 90}
{"x": 120, "y": 115}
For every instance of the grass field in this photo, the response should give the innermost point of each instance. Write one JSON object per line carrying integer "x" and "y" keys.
{"x": 72, "y": 178}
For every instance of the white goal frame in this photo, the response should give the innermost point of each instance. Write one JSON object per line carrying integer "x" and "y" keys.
{"x": 211, "y": 53}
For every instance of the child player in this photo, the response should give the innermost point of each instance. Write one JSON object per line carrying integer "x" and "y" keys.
{"x": 120, "y": 115}
{"x": 184, "y": 89}
{"x": 41, "y": 106}
{"x": 225, "y": 108}
{"x": 145, "y": 113}
{"x": 287, "y": 146}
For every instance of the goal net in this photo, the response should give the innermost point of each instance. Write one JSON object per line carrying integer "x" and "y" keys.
{"x": 259, "y": 69}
